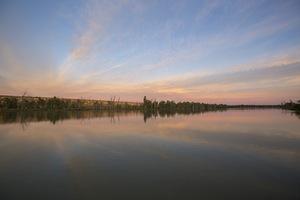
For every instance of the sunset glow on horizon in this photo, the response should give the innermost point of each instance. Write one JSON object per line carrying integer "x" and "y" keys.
{"x": 232, "y": 52}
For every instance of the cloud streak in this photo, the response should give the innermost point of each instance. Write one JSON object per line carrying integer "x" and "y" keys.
{"x": 96, "y": 17}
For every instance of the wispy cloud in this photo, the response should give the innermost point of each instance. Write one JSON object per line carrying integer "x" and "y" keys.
{"x": 10, "y": 64}
{"x": 93, "y": 21}
{"x": 207, "y": 8}
{"x": 257, "y": 79}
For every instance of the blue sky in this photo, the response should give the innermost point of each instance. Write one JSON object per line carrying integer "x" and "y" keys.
{"x": 230, "y": 52}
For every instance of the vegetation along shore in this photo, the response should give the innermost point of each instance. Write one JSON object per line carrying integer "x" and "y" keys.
{"x": 25, "y": 102}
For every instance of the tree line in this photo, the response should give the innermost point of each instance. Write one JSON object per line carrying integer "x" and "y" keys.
{"x": 36, "y": 103}
{"x": 153, "y": 105}
{"x": 291, "y": 105}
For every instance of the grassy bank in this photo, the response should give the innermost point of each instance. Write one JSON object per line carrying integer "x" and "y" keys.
{"x": 38, "y": 103}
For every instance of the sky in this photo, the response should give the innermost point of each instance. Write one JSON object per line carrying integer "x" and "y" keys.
{"x": 232, "y": 52}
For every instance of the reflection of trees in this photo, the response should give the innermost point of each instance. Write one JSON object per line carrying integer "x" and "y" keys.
{"x": 111, "y": 115}
{"x": 291, "y": 112}
{"x": 25, "y": 117}
{"x": 171, "y": 113}
{"x": 297, "y": 113}
{"x": 54, "y": 116}
{"x": 24, "y": 125}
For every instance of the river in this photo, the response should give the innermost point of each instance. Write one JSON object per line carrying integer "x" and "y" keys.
{"x": 232, "y": 154}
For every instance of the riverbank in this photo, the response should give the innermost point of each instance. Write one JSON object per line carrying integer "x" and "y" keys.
{"x": 37, "y": 103}
{"x": 115, "y": 104}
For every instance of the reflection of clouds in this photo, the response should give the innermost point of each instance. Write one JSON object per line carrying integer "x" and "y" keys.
{"x": 263, "y": 133}
{"x": 179, "y": 125}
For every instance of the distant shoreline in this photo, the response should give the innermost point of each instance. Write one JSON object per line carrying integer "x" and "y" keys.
{"x": 10, "y": 102}
{"x": 37, "y": 103}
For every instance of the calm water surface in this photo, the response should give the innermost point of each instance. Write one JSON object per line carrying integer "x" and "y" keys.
{"x": 234, "y": 154}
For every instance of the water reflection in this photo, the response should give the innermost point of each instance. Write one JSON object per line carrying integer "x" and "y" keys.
{"x": 233, "y": 154}
{"x": 297, "y": 113}
{"x": 54, "y": 116}
{"x": 171, "y": 113}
